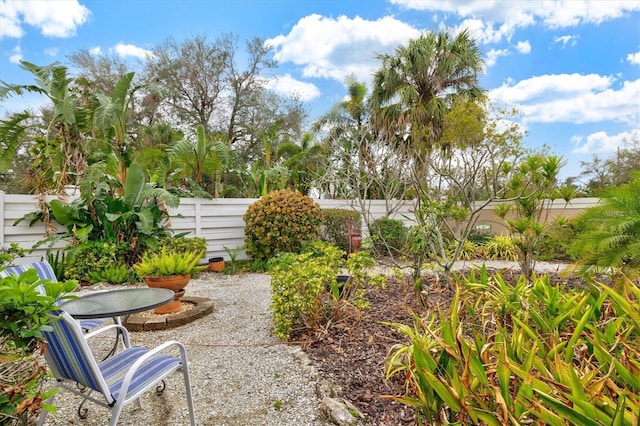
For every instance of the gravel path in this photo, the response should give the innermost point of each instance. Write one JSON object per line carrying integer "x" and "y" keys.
{"x": 240, "y": 373}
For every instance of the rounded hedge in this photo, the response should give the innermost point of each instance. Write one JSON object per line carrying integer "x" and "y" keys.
{"x": 279, "y": 222}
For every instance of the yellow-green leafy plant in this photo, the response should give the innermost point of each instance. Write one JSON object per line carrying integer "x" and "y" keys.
{"x": 279, "y": 222}
{"x": 117, "y": 274}
{"x": 167, "y": 263}
{"x": 501, "y": 247}
{"x": 523, "y": 354}
{"x": 305, "y": 291}
{"x": 468, "y": 251}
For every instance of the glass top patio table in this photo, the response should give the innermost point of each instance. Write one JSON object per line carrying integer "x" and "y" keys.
{"x": 117, "y": 303}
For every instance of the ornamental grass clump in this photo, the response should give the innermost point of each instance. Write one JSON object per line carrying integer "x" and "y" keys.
{"x": 280, "y": 222}
{"x": 525, "y": 353}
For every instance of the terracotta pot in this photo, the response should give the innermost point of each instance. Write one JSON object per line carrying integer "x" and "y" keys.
{"x": 172, "y": 282}
{"x": 177, "y": 283}
{"x": 356, "y": 240}
{"x": 216, "y": 264}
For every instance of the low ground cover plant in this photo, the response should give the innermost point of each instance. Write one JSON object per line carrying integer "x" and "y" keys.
{"x": 524, "y": 352}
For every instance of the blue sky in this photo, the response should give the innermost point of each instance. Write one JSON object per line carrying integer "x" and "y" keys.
{"x": 572, "y": 68}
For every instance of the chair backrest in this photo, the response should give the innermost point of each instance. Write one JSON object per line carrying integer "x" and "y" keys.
{"x": 69, "y": 356}
{"x": 44, "y": 270}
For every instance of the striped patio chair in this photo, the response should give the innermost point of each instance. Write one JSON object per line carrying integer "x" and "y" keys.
{"x": 45, "y": 271}
{"x": 120, "y": 379}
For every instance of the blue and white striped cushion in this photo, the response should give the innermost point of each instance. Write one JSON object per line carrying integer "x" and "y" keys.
{"x": 115, "y": 368}
{"x": 44, "y": 270}
{"x": 64, "y": 350}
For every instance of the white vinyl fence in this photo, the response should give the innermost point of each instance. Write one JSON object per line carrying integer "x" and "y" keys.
{"x": 219, "y": 221}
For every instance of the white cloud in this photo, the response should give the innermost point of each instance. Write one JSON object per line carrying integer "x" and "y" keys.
{"x": 566, "y": 39}
{"x": 634, "y": 58}
{"x": 523, "y": 47}
{"x": 95, "y": 50}
{"x": 16, "y": 55}
{"x": 130, "y": 50}
{"x": 521, "y": 14}
{"x": 337, "y": 47}
{"x": 51, "y": 51}
{"x": 600, "y": 142}
{"x": 289, "y": 86}
{"x": 54, "y": 18}
{"x": 493, "y": 55}
{"x": 572, "y": 98}
{"x": 486, "y": 31}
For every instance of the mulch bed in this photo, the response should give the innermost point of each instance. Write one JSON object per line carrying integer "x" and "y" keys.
{"x": 352, "y": 353}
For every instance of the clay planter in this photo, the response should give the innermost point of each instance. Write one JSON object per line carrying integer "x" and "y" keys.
{"x": 177, "y": 283}
{"x": 216, "y": 264}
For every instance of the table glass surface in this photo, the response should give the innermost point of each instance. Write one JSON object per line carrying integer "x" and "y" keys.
{"x": 115, "y": 303}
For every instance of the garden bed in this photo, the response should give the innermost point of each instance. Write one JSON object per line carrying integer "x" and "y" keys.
{"x": 353, "y": 355}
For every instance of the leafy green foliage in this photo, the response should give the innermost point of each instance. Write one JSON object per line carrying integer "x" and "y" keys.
{"x": 24, "y": 310}
{"x": 305, "y": 292}
{"x": 333, "y": 229}
{"x": 166, "y": 263}
{"x": 613, "y": 239}
{"x": 280, "y": 222}
{"x": 500, "y": 247}
{"x": 181, "y": 244}
{"x": 524, "y": 353}
{"x": 24, "y": 315}
{"x": 134, "y": 213}
{"x": 468, "y": 251}
{"x": 388, "y": 235}
{"x": 116, "y": 274}
{"x": 93, "y": 257}
{"x": 7, "y": 255}
{"x": 533, "y": 188}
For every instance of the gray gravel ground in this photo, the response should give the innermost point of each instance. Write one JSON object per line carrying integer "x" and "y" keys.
{"x": 240, "y": 373}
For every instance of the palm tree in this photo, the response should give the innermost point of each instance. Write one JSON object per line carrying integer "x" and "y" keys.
{"x": 199, "y": 158}
{"x": 304, "y": 161}
{"x": 349, "y": 133}
{"x": 415, "y": 87}
{"x": 613, "y": 240}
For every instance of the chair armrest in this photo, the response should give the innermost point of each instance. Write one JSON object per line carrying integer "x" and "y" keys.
{"x": 124, "y": 389}
{"x": 120, "y": 328}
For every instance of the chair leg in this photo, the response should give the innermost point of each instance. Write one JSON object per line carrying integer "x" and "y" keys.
{"x": 43, "y": 414}
{"x": 187, "y": 384}
{"x": 115, "y": 414}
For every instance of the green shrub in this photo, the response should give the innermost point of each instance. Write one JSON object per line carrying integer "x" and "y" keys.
{"x": 557, "y": 243}
{"x": 501, "y": 247}
{"x": 181, "y": 244}
{"x": 93, "y": 256}
{"x": 280, "y": 222}
{"x": 24, "y": 315}
{"x": 305, "y": 291}
{"x": 469, "y": 250}
{"x": 388, "y": 235}
{"x": 333, "y": 229}
{"x": 117, "y": 274}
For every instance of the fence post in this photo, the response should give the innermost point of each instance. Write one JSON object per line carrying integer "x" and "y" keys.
{"x": 2, "y": 220}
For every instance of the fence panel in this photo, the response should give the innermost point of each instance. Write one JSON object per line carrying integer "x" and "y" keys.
{"x": 219, "y": 221}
